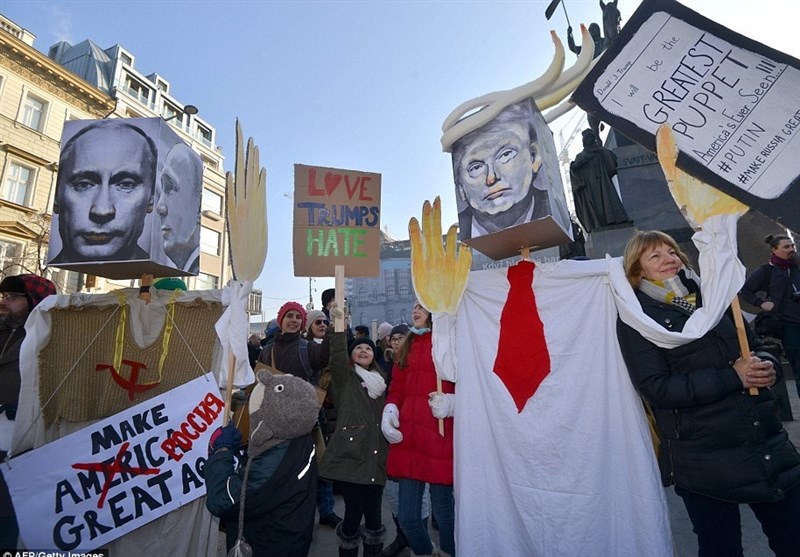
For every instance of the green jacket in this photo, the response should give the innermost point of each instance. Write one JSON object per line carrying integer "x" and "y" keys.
{"x": 356, "y": 452}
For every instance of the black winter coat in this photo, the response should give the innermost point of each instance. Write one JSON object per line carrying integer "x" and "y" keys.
{"x": 280, "y": 501}
{"x": 716, "y": 439}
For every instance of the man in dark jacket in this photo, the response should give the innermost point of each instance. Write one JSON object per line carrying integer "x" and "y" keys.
{"x": 18, "y": 296}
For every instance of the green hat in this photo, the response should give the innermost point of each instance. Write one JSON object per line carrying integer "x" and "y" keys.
{"x": 170, "y": 284}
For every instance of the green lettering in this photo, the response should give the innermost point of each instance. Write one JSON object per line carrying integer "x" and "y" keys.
{"x": 310, "y": 241}
{"x": 332, "y": 242}
{"x": 358, "y": 241}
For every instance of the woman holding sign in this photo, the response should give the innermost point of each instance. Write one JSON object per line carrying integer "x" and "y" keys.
{"x": 356, "y": 453}
{"x": 719, "y": 445}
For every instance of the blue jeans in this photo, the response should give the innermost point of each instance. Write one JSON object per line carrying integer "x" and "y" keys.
{"x": 791, "y": 347}
{"x": 414, "y": 529}
{"x": 391, "y": 492}
{"x": 719, "y": 530}
{"x": 324, "y": 498}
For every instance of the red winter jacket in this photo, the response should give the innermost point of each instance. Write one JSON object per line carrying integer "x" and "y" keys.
{"x": 423, "y": 454}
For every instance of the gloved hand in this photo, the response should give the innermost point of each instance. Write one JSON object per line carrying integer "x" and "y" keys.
{"x": 228, "y": 437}
{"x": 442, "y": 405}
{"x": 390, "y": 424}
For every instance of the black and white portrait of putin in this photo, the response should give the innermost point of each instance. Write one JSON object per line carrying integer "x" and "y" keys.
{"x": 104, "y": 191}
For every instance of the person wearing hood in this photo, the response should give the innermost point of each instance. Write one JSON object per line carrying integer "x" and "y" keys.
{"x": 18, "y": 296}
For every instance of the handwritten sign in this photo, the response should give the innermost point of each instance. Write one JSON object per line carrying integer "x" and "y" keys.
{"x": 732, "y": 103}
{"x": 337, "y": 217}
{"x": 93, "y": 486}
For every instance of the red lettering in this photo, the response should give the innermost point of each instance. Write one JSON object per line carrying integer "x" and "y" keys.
{"x": 312, "y": 187}
{"x": 351, "y": 190}
{"x": 185, "y": 431}
{"x": 169, "y": 446}
{"x": 191, "y": 419}
{"x": 362, "y": 193}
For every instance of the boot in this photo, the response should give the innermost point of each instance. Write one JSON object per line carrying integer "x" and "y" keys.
{"x": 373, "y": 541}
{"x": 399, "y": 543}
{"x": 348, "y": 545}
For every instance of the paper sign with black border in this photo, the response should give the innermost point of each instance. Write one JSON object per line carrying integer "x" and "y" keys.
{"x": 733, "y": 103}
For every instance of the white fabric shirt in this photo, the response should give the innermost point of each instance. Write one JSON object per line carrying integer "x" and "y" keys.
{"x": 573, "y": 474}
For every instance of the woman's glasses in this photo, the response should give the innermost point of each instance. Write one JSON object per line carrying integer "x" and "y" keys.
{"x": 11, "y": 296}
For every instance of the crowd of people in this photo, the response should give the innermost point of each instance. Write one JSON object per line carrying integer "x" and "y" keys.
{"x": 369, "y": 388}
{"x": 385, "y": 426}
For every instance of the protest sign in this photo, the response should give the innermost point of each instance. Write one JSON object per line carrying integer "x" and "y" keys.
{"x": 337, "y": 217}
{"x": 126, "y": 202}
{"x": 732, "y": 103}
{"x": 101, "y": 482}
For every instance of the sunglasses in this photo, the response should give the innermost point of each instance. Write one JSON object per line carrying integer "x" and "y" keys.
{"x": 396, "y": 338}
{"x": 321, "y": 322}
{"x": 11, "y": 296}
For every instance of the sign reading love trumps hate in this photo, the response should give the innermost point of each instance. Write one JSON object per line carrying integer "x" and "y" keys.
{"x": 101, "y": 482}
{"x": 732, "y": 103}
{"x": 337, "y": 217}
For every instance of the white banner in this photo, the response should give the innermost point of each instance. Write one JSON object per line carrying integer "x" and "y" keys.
{"x": 97, "y": 484}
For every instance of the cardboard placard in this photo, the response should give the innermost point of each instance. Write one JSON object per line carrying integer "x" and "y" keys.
{"x": 127, "y": 200}
{"x": 91, "y": 487}
{"x": 337, "y": 218}
{"x": 732, "y": 103}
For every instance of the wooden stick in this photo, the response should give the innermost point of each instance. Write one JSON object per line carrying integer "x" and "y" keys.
{"x": 226, "y": 416}
{"x": 741, "y": 333}
{"x": 145, "y": 284}
{"x": 338, "y": 285}
{"x": 439, "y": 391}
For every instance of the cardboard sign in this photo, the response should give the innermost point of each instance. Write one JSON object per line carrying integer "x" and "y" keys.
{"x": 97, "y": 484}
{"x": 127, "y": 200}
{"x": 337, "y": 218}
{"x": 732, "y": 103}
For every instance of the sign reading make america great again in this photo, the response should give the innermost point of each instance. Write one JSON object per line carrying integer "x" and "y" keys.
{"x": 733, "y": 104}
{"x": 95, "y": 485}
{"x": 337, "y": 219}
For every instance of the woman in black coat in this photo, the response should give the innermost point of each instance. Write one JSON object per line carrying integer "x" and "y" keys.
{"x": 775, "y": 288}
{"x": 719, "y": 445}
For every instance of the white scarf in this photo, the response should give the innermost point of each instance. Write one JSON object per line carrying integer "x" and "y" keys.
{"x": 372, "y": 380}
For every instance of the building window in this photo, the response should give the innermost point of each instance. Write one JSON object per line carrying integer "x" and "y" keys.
{"x": 33, "y": 111}
{"x": 205, "y": 135}
{"x": 209, "y": 241}
{"x": 206, "y": 282}
{"x": 126, "y": 59}
{"x": 137, "y": 90}
{"x": 212, "y": 202}
{"x": 10, "y": 258}
{"x": 18, "y": 184}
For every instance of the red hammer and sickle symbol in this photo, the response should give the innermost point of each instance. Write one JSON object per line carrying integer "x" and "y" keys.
{"x": 130, "y": 385}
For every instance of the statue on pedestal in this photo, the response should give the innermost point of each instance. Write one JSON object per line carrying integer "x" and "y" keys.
{"x": 597, "y": 203}
{"x": 611, "y": 21}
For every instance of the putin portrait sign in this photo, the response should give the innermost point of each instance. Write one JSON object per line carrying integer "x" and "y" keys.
{"x": 732, "y": 103}
{"x": 127, "y": 200}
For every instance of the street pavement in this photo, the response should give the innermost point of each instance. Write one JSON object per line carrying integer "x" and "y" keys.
{"x": 753, "y": 540}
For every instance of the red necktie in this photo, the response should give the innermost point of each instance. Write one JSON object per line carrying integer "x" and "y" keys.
{"x": 522, "y": 360}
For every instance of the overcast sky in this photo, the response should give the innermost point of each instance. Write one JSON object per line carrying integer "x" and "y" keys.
{"x": 357, "y": 85}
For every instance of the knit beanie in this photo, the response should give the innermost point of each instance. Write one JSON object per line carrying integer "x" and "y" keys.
{"x": 288, "y": 306}
{"x": 362, "y": 340}
{"x": 401, "y": 329}
{"x": 384, "y": 330}
{"x": 34, "y": 287}
{"x": 313, "y": 315}
{"x": 327, "y": 296}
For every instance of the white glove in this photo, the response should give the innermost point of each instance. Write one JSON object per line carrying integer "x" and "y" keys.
{"x": 442, "y": 405}
{"x": 390, "y": 423}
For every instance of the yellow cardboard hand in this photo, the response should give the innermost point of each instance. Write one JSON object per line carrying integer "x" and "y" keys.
{"x": 439, "y": 272}
{"x": 696, "y": 200}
